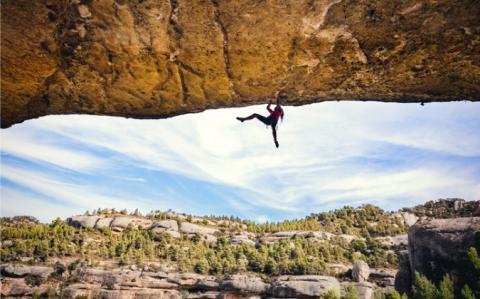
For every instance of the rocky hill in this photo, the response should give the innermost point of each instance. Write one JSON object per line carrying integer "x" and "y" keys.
{"x": 171, "y": 255}
{"x": 151, "y": 58}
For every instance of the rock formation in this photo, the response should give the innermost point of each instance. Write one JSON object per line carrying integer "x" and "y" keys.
{"x": 360, "y": 271}
{"x": 436, "y": 247}
{"x": 159, "y": 58}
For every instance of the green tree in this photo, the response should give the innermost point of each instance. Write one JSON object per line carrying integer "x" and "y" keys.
{"x": 424, "y": 288}
{"x": 351, "y": 293}
{"x": 202, "y": 266}
{"x": 467, "y": 293}
{"x": 331, "y": 294}
{"x": 445, "y": 289}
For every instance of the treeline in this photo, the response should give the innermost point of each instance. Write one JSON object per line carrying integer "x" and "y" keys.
{"x": 288, "y": 256}
{"x": 366, "y": 221}
{"x": 445, "y": 208}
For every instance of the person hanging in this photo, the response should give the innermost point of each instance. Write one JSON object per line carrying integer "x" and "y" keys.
{"x": 271, "y": 120}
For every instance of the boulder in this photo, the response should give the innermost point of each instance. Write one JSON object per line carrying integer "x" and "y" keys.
{"x": 95, "y": 291}
{"x": 337, "y": 269}
{"x": 120, "y": 223}
{"x": 83, "y": 221}
{"x": 103, "y": 222}
{"x": 209, "y": 238}
{"x": 245, "y": 284}
{"x": 304, "y": 286}
{"x": 241, "y": 239}
{"x": 383, "y": 277}
{"x": 436, "y": 246}
{"x": 14, "y": 288}
{"x": 173, "y": 234}
{"x": 6, "y": 243}
{"x": 166, "y": 224}
{"x": 190, "y": 228}
{"x": 409, "y": 218}
{"x": 19, "y": 270}
{"x": 320, "y": 236}
{"x": 188, "y": 280}
{"x": 348, "y": 238}
{"x": 360, "y": 271}
{"x": 364, "y": 289}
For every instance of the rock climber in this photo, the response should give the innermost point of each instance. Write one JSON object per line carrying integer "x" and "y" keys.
{"x": 272, "y": 119}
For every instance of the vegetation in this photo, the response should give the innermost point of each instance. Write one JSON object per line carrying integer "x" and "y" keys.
{"x": 366, "y": 221}
{"x": 287, "y": 256}
{"x": 445, "y": 208}
{"x": 467, "y": 280}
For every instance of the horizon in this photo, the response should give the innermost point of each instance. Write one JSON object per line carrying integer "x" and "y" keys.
{"x": 145, "y": 214}
{"x": 331, "y": 154}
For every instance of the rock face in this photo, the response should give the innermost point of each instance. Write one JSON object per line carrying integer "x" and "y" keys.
{"x": 403, "y": 279}
{"x": 190, "y": 228}
{"x": 409, "y": 218}
{"x": 360, "y": 271}
{"x": 304, "y": 286}
{"x": 438, "y": 246}
{"x": 155, "y": 58}
{"x": 364, "y": 289}
{"x": 245, "y": 284}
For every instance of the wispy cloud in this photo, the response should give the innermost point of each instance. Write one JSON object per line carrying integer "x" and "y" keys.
{"x": 330, "y": 154}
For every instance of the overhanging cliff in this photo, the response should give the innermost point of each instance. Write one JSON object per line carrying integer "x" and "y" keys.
{"x": 159, "y": 58}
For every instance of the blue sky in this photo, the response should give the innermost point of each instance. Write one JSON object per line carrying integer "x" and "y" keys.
{"x": 331, "y": 154}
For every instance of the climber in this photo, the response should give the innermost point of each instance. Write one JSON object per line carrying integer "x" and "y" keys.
{"x": 272, "y": 119}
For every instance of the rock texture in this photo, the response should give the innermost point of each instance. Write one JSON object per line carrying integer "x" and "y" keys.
{"x": 438, "y": 246}
{"x": 159, "y": 58}
{"x": 360, "y": 271}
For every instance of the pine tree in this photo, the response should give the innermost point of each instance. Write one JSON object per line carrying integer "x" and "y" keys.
{"x": 445, "y": 289}
{"x": 467, "y": 293}
{"x": 423, "y": 288}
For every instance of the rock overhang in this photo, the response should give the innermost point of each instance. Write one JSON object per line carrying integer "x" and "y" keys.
{"x": 161, "y": 58}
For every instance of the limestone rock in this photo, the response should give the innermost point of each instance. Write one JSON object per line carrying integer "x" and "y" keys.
{"x": 245, "y": 284}
{"x": 157, "y": 59}
{"x": 83, "y": 221}
{"x": 403, "y": 279}
{"x": 6, "y": 243}
{"x": 120, "y": 223}
{"x": 364, "y": 289}
{"x": 360, "y": 271}
{"x": 383, "y": 277}
{"x": 241, "y": 239}
{"x": 103, "y": 222}
{"x": 409, "y": 218}
{"x": 304, "y": 286}
{"x": 14, "y": 288}
{"x": 19, "y": 270}
{"x": 190, "y": 228}
{"x": 166, "y": 224}
{"x": 173, "y": 234}
{"x": 436, "y": 246}
{"x": 337, "y": 269}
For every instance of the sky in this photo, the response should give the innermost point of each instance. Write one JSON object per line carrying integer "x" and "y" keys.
{"x": 331, "y": 154}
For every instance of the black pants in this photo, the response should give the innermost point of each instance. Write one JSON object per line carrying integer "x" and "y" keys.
{"x": 269, "y": 121}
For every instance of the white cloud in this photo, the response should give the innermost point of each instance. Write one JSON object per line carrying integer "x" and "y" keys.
{"x": 329, "y": 153}
{"x": 26, "y": 145}
{"x": 16, "y": 203}
{"x": 72, "y": 194}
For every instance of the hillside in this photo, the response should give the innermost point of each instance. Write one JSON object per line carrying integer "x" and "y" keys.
{"x": 330, "y": 244}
